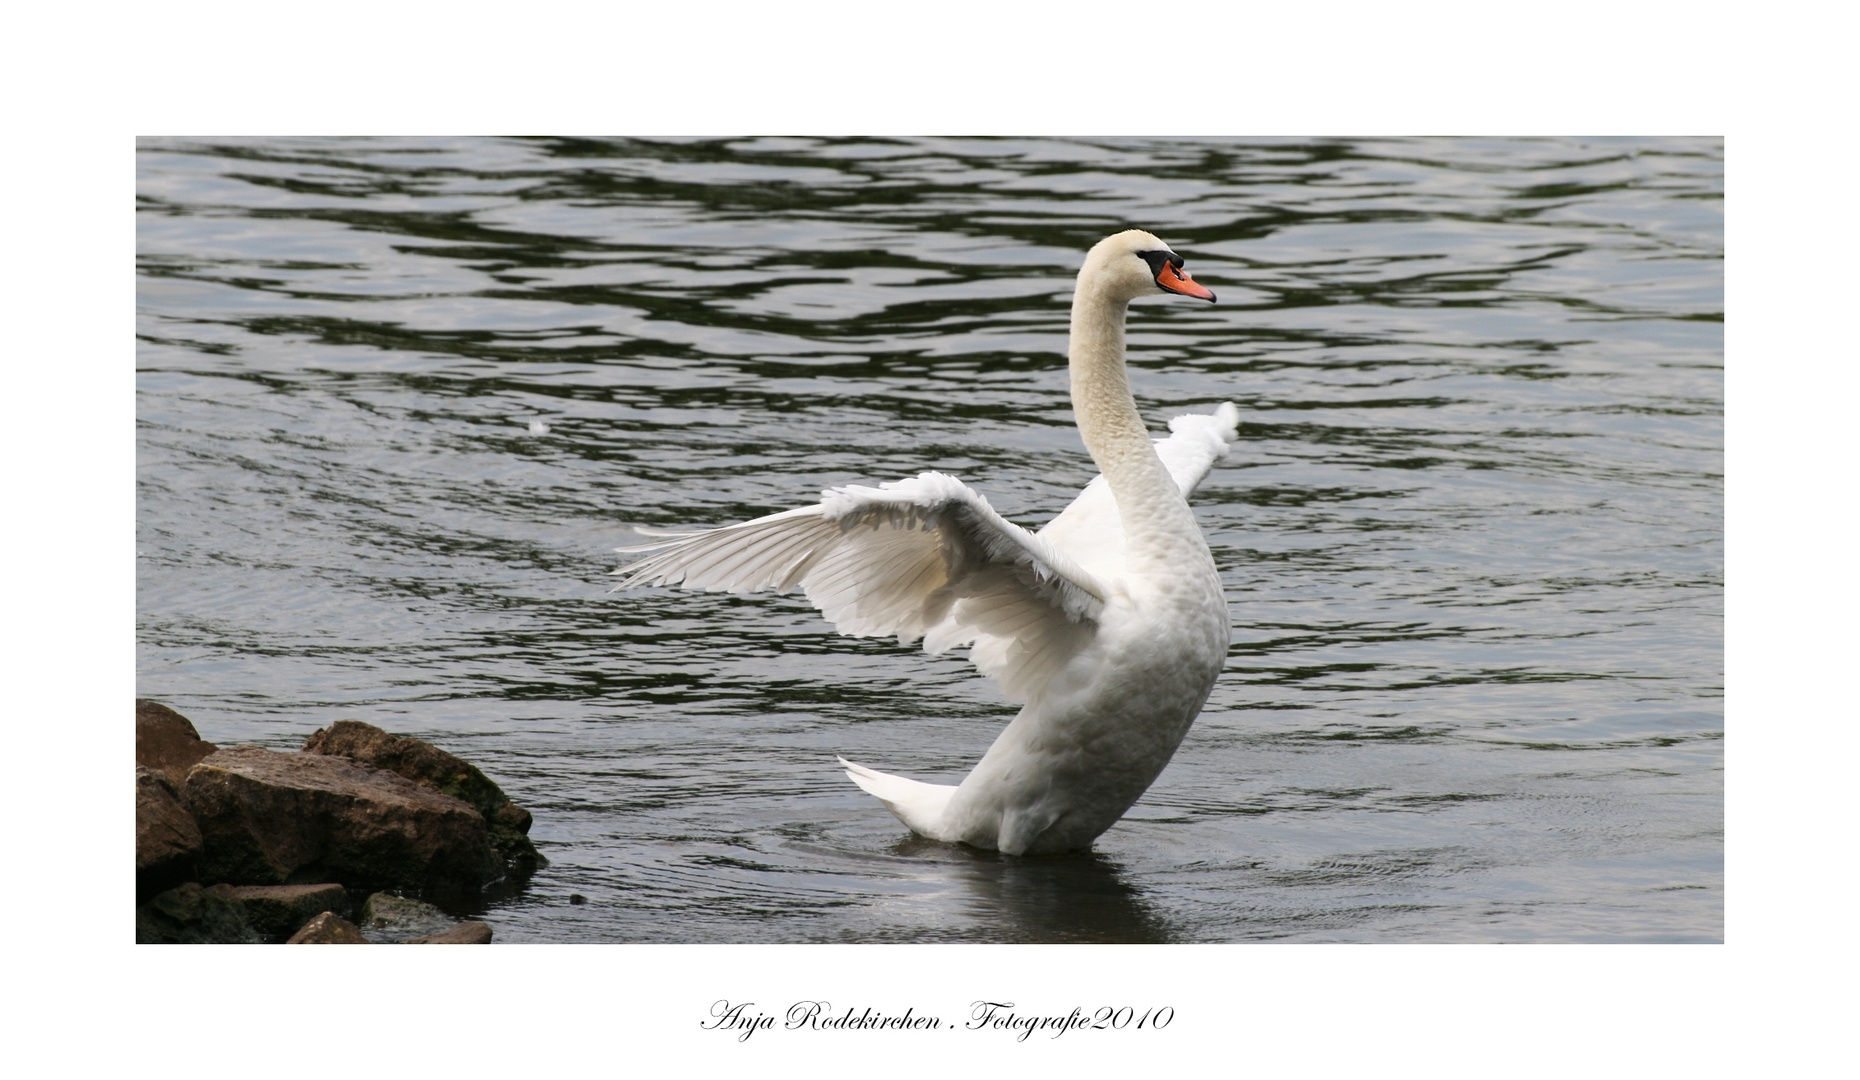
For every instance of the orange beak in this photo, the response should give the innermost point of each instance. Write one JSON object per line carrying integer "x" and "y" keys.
{"x": 1181, "y": 283}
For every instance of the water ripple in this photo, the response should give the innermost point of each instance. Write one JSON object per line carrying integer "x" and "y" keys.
{"x": 1471, "y": 532}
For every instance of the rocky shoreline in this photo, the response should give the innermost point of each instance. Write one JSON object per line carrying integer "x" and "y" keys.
{"x": 248, "y": 845}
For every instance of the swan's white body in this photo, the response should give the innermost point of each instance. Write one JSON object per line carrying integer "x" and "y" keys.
{"x": 1109, "y": 623}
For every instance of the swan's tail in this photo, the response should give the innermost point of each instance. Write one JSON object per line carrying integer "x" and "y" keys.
{"x": 917, "y": 804}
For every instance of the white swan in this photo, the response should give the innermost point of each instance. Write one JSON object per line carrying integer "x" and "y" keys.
{"x": 1109, "y": 623}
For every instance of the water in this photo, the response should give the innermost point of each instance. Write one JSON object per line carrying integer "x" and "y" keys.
{"x": 1471, "y": 534}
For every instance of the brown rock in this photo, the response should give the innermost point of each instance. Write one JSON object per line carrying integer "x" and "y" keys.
{"x": 191, "y": 915}
{"x": 465, "y": 933}
{"x": 167, "y": 839}
{"x": 166, "y": 741}
{"x": 270, "y": 818}
{"x": 429, "y": 766}
{"x": 387, "y": 918}
{"x": 328, "y": 928}
{"x": 275, "y": 911}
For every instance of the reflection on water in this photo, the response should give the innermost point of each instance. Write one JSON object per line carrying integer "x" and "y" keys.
{"x": 399, "y": 399}
{"x": 1076, "y": 898}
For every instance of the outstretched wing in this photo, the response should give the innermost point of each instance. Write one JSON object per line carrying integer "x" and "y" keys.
{"x": 1196, "y": 441}
{"x": 920, "y": 558}
{"x": 1091, "y": 530}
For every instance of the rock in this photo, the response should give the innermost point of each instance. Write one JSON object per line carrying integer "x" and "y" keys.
{"x": 389, "y": 918}
{"x": 270, "y": 818}
{"x": 191, "y": 915}
{"x": 276, "y": 911}
{"x": 166, "y": 741}
{"x": 429, "y": 766}
{"x": 167, "y": 839}
{"x": 328, "y": 928}
{"x": 465, "y": 933}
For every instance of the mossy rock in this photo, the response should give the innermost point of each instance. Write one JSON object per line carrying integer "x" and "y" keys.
{"x": 427, "y": 765}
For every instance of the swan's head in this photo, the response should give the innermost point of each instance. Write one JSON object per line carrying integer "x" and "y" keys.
{"x": 1134, "y": 263}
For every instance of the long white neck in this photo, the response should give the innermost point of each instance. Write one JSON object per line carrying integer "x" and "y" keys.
{"x": 1157, "y": 521}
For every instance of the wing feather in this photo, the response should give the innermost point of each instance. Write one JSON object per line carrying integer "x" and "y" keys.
{"x": 920, "y": 558}
{"x": 1196, "y": 441}
{"x": 1092, "y": 531}
{"x": 929, "y": 558}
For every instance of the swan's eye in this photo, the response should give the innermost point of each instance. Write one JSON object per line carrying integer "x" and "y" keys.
{"x": 1160, "y": 261}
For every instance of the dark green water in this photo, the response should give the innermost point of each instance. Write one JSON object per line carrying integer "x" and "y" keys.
{"x": 1472, "y": 533}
